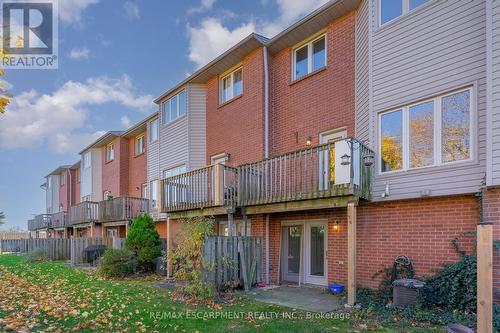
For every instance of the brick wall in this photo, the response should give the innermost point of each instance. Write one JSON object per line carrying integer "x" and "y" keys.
{"x": 491, "y": 211}
{"x": 115, "y": 172}
{"x": 75, "y": 196}
{"x": 237, "y": 127}
{"x": 422, "y": 229}
{"x": 137, "y": 171}
{"x": 319, "y": 102}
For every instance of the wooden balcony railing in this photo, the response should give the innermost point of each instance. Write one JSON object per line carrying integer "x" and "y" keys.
{"x": 122, "y": 208}
{"x": 84, "y": 212}
{"x": 41, "y": 221}
{"x": 334, "y": 169}
{"x": 210, "y": 186}
{"x": 60, "y": 220}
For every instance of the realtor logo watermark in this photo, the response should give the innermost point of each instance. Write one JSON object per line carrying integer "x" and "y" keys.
{"x": 29, "y": 34}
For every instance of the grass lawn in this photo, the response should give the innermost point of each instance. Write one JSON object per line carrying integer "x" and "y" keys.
{"x": 53, "y": 297}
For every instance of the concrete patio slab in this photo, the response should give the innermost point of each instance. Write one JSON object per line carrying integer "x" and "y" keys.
{"x": 303, "y": 298}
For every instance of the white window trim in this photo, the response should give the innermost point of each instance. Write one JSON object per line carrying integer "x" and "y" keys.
{"x": 143, "y": 147}
{"x": 174, "y": 168}
{"x": 154, "y": 198}
{"x": 157, "y": 120}
{"x": 309, "y": 45}
{"x": 230, "y": 75}
{"x": 169, "y": 101}
{"x": 437, "y": 133}
{"x": 405, "y": 11}
{"x": 110, "y": 148}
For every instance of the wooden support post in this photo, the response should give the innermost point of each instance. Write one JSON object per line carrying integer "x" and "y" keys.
{"x": 169, "y": 244}
{"x": 230, "y": 224}
{"x": 245, "y": 223}
{"x": 243, "y": 258}
{"x": 92, "y": 230}
{"x": 127, "y": 225}
{"x": 218, "y": 184}
{"x": 485, "y": 278}
{"x": 351, "y": 253}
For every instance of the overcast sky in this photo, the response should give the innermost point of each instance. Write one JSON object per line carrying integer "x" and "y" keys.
{"x": 115, "y": 57}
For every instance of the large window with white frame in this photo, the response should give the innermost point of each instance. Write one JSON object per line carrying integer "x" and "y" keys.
{"x": 392, "y": 9}
{"x": 231, "y": 85}
{"x": 86, "y": 159}
{"x": 432, "y": 132}
{"x": 174, "y": 107}
{"x": 110, "y": 152}
{"x": 309, "y": 57}
{"x": 154, "y": 130}
{"x": 154, "y": 194}
{"x": 174, "y": 171}
{"x": 139, "y": 145}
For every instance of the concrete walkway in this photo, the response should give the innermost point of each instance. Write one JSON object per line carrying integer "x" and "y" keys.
{"x": 303, "y": 298}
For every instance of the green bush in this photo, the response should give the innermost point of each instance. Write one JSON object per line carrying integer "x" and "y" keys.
{"x": 454, "y": 287}
{"x": 144, "y": 241}
{"x": 36, "y": 255}
{"x": 118, "y": 263}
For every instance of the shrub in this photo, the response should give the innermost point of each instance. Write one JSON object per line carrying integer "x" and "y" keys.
{"x": 454, "y": 287}
{"x": 118, "y": 263}
{"x": 187, "y": 256}
{"x": 36, "y": 255}
{"x": 144, "y": 241}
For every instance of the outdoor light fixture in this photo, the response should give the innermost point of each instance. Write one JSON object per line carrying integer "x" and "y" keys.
{"x": 309, "y": 141}
{"x": 345, "y": 159}
{"x": 336, "y": 226}
{"x": 368, "y": 160}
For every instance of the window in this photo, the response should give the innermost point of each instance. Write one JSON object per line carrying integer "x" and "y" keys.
{"x": 154, "y": 194}
{"x": 174, "y": 171}
{"x": 309, "y": 57}
{"x": 232, "y": 85}
{"x": 110, "y": 152}
{"x": 153, "y": 130}
{"x": 62, "y": 179}
{"x": 86, "y": 198}
{"x": 174, "y": 107}
{"x": 86, "y": 160}
{"x": 392, "y": 9}
{"x": 139, "y": 145}
{"x": 429, "y": 133}
{"x": 78, "y": 175}
{"x": 144, "y": 191}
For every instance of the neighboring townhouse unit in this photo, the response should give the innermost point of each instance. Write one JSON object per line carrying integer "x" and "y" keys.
{"x": 122, "y": 180}
{"x": 176, "y": 142}
{"x": 364, "y": 131}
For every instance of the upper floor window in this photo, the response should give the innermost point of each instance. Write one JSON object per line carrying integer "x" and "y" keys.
{"x": 174, "y": 171}
{"x": 62, "y": 180}
{"x": 110, "y": 152}
{"x": 392, "y": 9}
{"x": 86, "y": 160}
{"x": 153, "y": 130}
{"x": 429, "y": 133}
{"x": 309, "y": 57}
{"x": 174, "y": 107}
{"x": 139, "y": 145}
{"x": 232, "y": 85}
{"x": 78, "y": 175}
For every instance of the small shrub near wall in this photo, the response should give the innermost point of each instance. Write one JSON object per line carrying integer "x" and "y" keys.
{"x": 187, "y": 257}
{"x": 118, "y": 263}
{"x": 144, "y": 241}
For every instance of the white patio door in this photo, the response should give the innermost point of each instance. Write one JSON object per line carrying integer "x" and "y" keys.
{"x": 304, "y": 252}
{"x": 327, "y": 163}
{"x": 315, "y": 256}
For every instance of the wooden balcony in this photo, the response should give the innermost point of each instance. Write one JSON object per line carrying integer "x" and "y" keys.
{"x": 122, "y": 209}
{"x": 323, "y": 176}
{"x": 40, "y": 222}
{"x": 84, "y": 212}
{"x": 60, "y": 220}
{"x": 209, "y": 187}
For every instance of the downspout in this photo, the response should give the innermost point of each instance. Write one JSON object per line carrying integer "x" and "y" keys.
{"x": 266, "y": 143}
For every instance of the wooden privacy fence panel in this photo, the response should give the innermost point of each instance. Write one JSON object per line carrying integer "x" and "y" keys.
{"x": 232, "y": 258}
{"x": 14, "y": 234}
{"x": 55, "y": 249}
{"x": 78, "y": 245}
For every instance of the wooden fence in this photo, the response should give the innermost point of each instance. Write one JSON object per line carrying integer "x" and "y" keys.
{"x": 55, "y": 248}
{"x": 233, "y": 258}
{"x": 14, "y": 234}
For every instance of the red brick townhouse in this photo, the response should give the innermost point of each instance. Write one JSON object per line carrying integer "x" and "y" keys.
{"x": 358, "y": 134}
{"x": 61, "y": 192}
{"x": 115, "y": 183}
